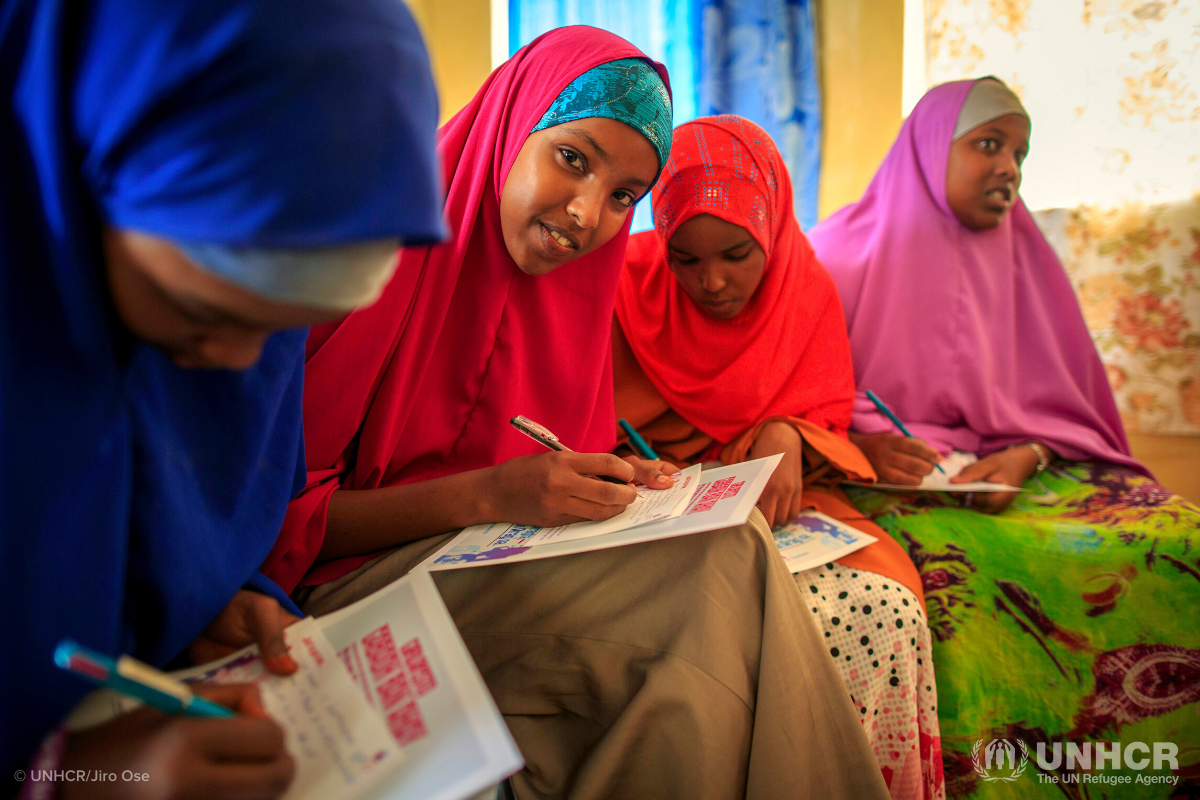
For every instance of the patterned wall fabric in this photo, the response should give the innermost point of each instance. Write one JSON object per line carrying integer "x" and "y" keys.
{"x": 1137, "y": 272}
{"x": 754, "y": 58}
{"x": 1113, "y": 87}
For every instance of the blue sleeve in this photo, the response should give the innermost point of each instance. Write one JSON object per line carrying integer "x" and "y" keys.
{"x": 263, "y": 585}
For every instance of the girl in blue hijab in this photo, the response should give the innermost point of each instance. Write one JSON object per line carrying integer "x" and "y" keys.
{"x": 182, "y": 185}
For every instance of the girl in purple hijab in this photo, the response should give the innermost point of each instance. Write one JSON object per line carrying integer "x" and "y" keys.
{"x": 960, "y": 314}
{"x": 962, "y": 319}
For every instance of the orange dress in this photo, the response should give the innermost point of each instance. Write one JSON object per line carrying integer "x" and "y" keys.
{"x": 828, "y": 459}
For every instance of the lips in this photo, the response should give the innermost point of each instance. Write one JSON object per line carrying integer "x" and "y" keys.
{"x": 718, "y": 307}
{"x": 557, "y": 242}
{"x": 999, "y": 198}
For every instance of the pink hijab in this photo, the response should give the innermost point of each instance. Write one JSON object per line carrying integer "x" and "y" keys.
{"x": 975, "y": 339}
{"x": 422, "y": 384}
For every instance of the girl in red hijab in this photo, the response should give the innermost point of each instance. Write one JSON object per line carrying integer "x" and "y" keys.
{"x": 680, "y": 668}
{"x": 730, "y": 344}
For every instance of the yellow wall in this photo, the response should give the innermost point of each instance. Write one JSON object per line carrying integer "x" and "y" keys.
{"x": 861, "y": 46}
{"x": 458, "y": 34}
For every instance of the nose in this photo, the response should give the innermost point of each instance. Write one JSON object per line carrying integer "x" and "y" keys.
{"x": 234, "y": 351}
{"x": 1008, "y": 167}
{"x": 585, "y": 207}
{"x": 712, "y": 281}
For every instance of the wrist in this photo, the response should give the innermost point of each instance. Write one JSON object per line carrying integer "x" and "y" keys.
{"x": 480, "y": 498}
{"x": 1043, "y": 453}
{"x": 1024, "y": 456}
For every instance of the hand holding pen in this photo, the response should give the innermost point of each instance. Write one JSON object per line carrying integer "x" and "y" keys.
{"x": 214, "y": 741}
{"x": 560, "y": 487}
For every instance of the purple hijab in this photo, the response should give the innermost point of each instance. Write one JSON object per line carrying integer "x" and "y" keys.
{"x": 975, "y": 339}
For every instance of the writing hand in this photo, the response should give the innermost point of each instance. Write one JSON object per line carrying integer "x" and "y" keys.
{"x": 183, "y": 758}
{"x": 556, "y": 488}
{"x": 901, "y": 460}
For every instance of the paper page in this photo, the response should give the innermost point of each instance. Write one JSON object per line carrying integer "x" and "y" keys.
{"x": 340, "y": 744}
{"x": 953, "y": 464}
{"x": 723, "y": 498}
{"x": 408, "y": 662}
{"x": 651, "y": 505}
{"x": 813, "y": 539}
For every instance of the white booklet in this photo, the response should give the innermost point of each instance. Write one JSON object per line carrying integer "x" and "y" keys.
{"x": 813, "y": 539}
{"x": 937, "y": 481}
{"x": 387, "y": 702}
{"x": 722, "y": 498}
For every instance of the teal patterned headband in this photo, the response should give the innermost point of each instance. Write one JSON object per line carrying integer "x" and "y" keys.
{"x": 628, "y": 90}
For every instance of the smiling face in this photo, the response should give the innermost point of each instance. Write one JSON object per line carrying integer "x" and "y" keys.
{"x": 983, "y": 172}
{"x": 198, "y": 319}
{"x": 717, "y": 263}
{"x": 571, "y": 189}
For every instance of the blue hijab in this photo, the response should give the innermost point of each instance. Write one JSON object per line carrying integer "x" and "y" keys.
{"x": 136, "y": 498}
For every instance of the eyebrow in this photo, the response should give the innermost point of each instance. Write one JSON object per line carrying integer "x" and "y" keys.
{"x": 587, "y": 137}
{"x": 683, "y": 252}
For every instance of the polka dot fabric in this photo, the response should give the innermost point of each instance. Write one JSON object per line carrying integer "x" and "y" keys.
{"x": 878, "y": 637}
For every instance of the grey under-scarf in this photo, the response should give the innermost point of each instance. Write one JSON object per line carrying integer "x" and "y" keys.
{"x": 988, "y": 99}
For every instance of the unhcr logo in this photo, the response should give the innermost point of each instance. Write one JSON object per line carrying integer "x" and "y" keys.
{"x": 1006, "y": 759}
{"x": 1000, "y": 757}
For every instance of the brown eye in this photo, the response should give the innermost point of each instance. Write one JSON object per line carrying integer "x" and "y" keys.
{"x": 573, "y": 159}
{"x": 624, "y": 198}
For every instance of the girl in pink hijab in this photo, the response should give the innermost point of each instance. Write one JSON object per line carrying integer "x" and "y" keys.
{"x": 678, "y": 668}
{"x": 962, "y": 319}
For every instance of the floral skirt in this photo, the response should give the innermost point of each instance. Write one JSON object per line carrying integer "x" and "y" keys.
{"x": 1070, "y": 619}
{"x": 878, "y": 638}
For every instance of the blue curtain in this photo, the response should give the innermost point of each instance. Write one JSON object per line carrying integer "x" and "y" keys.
{"x": 756, "y": 58}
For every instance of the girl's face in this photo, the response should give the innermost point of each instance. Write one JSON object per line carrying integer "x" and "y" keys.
{"x": 983, "y": 172}
{"x": 571, "y": 189}
{"x": 717, "y": 263}
{"x": 198, "y": 319}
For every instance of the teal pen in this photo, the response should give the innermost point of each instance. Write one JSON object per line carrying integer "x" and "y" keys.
{"x": 132, "y": 678}
{"x": 638, "y": 442}
{"x": 883, "y": 409}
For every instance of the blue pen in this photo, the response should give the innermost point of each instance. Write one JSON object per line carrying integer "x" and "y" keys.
{"x": 883, "y": 409}
{"x": 638, "y": 442}
{"x": 134, "y": 679}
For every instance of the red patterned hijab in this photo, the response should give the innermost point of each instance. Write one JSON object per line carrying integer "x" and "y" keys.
{"x": 422, "y": 384}
{"x": 787, "y": 353}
